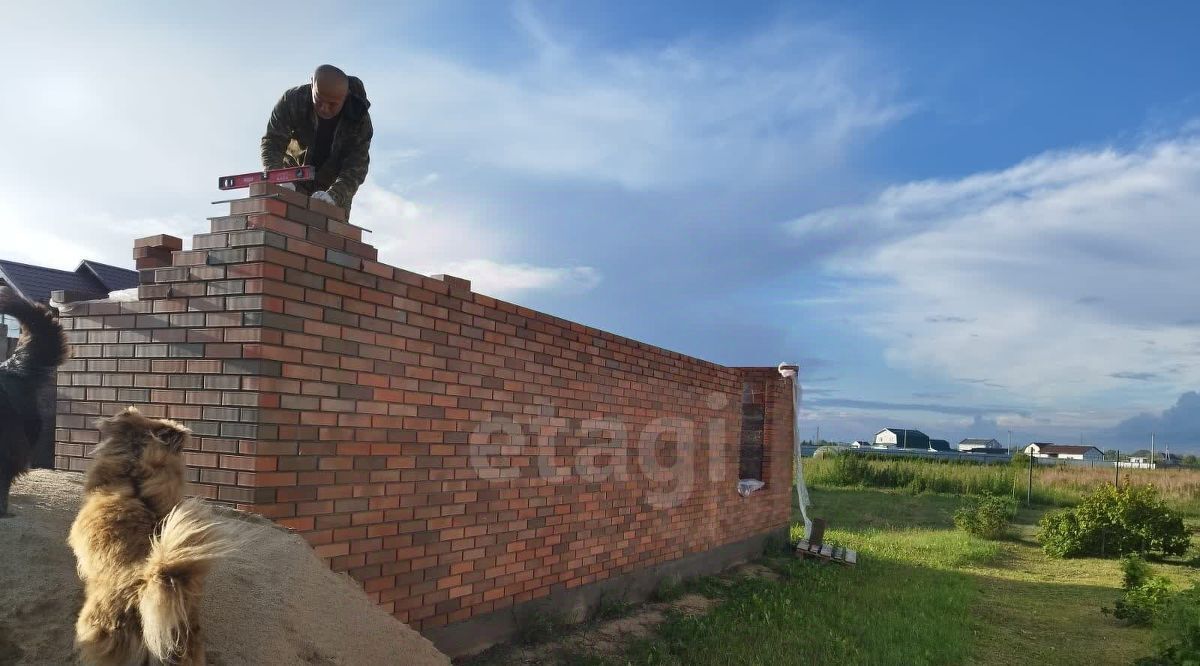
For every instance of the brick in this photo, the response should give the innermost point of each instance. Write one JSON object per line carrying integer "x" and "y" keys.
{"x": 282, "y": 193}
{"x": 219, "y": 257}
{"x": 259, "y": 205}
{"x": 361, "y": 250}
{"x": 334, "y": 213}
{"x": 155, "y": 252}
{"x": 278, "y": 225}
{"x": 212, "y": 240}
{"x": 161, "y": 240}
{"x": 227, "y": 223}
{"x": 343, "y": 259}
{"x": 307, "y": 217}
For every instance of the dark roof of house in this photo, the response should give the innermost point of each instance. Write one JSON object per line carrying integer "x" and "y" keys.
{"x": 90, "y": 279}
{"x": 1073, "y": 449}
{"x": 972, "y": 440}
{"x": 911, "y": 433}
{"x": 112, "y": 277}
{"x": 939, "y": 444}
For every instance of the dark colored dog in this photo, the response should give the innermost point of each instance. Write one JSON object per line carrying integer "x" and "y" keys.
{"x": 42, "y": 348}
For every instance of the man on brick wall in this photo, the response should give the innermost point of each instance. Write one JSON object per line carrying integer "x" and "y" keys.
{"x": 325, "y": 124}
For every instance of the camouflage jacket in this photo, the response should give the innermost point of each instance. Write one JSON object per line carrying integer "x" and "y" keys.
{"x": 293, "y": 127}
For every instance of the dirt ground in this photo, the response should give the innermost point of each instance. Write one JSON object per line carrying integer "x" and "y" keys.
{"x": 609, "y": 637}
{"x": 275, "y": 603}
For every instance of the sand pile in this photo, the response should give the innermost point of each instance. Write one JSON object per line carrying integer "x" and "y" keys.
{"x": 275, "y": 604}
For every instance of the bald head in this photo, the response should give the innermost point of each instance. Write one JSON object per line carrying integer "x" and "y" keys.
{"x": 330, "y": 87}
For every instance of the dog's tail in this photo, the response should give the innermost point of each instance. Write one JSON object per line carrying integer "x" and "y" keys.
{"x": 44, "y": 344}
{"x": 187, "y": 545}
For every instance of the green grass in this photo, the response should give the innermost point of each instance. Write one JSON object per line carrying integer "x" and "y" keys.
{"x": 923, "y": 593}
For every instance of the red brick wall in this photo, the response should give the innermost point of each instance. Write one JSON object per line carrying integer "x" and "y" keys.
{"x": 454, "y": 453}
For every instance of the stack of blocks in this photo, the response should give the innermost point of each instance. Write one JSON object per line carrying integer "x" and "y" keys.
{"x": 343, "y": 397}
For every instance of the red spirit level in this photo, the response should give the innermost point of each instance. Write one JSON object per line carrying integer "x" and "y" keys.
{"x": 288, "y": 175}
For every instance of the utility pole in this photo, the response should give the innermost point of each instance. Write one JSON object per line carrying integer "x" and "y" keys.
{"x": 1010, "y": 442}
{"x": 1151, "y": 450}
{"x": 906, "y": 438}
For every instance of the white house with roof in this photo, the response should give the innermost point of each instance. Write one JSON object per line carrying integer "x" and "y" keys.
{"x": 901, "y": 438}
{"x": 1160, "y": 460}
{"x": 970, "y": 444}
{"x": 1064, "y": 451}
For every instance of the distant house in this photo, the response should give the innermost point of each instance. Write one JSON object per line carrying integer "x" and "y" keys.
{"x": 901, "y": 438}
{"x": 973, "y": 444}
{"x": 90, "y": 280}
{"x": 1064, "y": 451}
{"x": 859, "y": 444}
{"x": 1160, "y": 460}
{"x": 939, "y": 445}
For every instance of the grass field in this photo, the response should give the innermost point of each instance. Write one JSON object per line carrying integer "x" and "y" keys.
{"x": 1060, "y": 486}
{"x": 923, "y": 593}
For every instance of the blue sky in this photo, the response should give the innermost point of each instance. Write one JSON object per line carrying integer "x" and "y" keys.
{"x": 968, "y": 218}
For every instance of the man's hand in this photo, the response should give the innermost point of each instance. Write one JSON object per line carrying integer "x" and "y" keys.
{"x": 324, "y": 196}
{"x": 288, "y": 186}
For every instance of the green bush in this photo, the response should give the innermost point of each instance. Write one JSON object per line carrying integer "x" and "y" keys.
{"x": 1114, "y": 521}
{"x": 850, "y": 470}
{"x": 1134, "y": 571}
{"x": 1177, "y": 631}
{"x": 1144, "y": 598}
{"x": 987, "y": 517}
{"x": 1142, "y": 604}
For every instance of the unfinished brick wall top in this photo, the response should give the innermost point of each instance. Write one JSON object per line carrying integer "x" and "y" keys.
{"x": 455, "y": 453}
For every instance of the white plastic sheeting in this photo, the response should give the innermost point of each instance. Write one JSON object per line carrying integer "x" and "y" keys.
{"x": 747, "y": 486}
{"x": 801, "y": 488}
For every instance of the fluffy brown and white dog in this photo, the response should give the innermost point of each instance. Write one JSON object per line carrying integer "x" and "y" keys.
{"x": 142, "y": 550}
{"x": 23, "y": 377}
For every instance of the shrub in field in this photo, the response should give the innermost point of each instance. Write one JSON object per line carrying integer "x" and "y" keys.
{"x": 1114, "y": 521}
{"x": 1144, "y": 598}
{"x": 1134, "y": 571}
{"x": 849, "y": 470}
{"x": 1177, "y": 631}
{"x": 987, "y": 517}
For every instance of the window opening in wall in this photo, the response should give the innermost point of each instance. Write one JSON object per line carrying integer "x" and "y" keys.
{"x": 750, "y": 459}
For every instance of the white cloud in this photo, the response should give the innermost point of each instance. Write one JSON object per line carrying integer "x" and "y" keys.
{"x": 502, "y": 279}
{"x": 1059, "y": 279}
{"x": 132, "y": 112}
{"x": 787, "y": 101}
{"x": 424, "y": 239}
